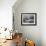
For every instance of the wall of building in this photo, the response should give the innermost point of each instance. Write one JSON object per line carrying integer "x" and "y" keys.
{"x": 6, "y": 13}
{"x": 6, "y": 16}
{"x": 29, "y": 32}
{"x": 43, "y": 22}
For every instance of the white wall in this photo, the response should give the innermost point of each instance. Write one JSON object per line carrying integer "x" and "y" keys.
{"x": 31, "y": 32}
{"x": 6, "y": 13}
{"x": 43, "y": 22}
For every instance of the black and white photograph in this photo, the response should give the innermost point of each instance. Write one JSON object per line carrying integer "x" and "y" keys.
{"x": 28, "y": 19}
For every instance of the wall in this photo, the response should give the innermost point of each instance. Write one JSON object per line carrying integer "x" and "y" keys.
{"x": 6, "y": 13}
{"x": 6, "y": 16}
{"x": 43, "y": 22}
{"x": 29, "y": 32}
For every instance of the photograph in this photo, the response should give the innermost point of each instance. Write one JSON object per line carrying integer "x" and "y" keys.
{"x": 28, "y": 18}
{"x": 22, "y": 22}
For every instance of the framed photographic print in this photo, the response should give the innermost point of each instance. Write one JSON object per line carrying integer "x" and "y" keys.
{"x": 29, "y": 19}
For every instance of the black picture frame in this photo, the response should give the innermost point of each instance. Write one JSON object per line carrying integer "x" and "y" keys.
{"x": 29, "y": 19}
